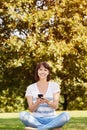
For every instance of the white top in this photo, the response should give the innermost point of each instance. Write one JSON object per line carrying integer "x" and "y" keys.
{"x": 43, "y": 110}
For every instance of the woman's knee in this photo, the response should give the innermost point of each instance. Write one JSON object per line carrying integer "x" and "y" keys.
{"x": 67, "y": 115}
{"x": 22, "y": 114}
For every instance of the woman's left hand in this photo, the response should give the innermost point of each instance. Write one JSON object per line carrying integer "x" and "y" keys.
{"x": 46, "y": 101}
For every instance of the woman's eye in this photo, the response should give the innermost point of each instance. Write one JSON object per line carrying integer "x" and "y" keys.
{"x": 40, "y": 69}
{"x": 43, "y": 69}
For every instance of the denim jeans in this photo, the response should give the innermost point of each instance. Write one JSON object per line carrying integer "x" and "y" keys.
{"x": 44, "y": 123}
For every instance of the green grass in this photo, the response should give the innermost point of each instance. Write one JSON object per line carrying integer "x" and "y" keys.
{"x": 10, "y": 121}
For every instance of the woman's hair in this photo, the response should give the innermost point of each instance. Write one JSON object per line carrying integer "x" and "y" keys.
{"x": 46, "y": 65}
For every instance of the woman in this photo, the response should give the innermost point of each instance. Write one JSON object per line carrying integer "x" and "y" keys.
{"x": 43, "y": 97}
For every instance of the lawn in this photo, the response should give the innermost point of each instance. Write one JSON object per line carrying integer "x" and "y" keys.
{"x": 10, "y": 121}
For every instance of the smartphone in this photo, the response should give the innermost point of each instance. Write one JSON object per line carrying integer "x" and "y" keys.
{"x": 40, "y": 95}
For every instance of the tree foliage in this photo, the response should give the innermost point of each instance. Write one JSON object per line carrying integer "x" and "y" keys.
{"x": 43, "y": 30}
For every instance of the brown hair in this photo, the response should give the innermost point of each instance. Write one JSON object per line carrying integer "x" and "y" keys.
{"x": 46, "y": 65}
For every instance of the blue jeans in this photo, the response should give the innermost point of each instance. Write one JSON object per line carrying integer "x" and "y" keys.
{"x": 44, "y": 122}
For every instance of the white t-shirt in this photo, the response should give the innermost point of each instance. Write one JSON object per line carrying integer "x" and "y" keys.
{"x": 43, "y": 110}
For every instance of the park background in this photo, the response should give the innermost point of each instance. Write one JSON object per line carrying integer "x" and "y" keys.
{"x": 43, "y": 30}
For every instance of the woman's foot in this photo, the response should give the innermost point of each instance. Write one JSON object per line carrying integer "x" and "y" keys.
{"x": 58, "y": 129}
{"x": 29, "y": 128}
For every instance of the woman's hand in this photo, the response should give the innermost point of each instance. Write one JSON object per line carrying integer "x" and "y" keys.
{"x": 53, "y": 104}
{"x": 43, "y": 100}
{"x": 46, "y": 101}
{"x": 40, "y": 100}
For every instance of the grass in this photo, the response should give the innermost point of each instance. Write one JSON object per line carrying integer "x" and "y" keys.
{"x": 10, "y": 121}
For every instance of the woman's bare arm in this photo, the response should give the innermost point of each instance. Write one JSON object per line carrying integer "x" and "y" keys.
{"x": 55, "y": 102}
{"x": 33, "y": 106}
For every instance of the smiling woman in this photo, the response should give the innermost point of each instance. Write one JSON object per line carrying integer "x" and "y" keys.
{"x": 43, "y": 115}
{"x": 42, "y": 68}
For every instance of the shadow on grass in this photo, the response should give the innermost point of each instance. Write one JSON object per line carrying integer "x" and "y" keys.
{"x": 79, "y": 123}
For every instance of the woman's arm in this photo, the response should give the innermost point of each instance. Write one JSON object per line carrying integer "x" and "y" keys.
{"x": 55, "y": 102}
{"x": 33, "y": 106}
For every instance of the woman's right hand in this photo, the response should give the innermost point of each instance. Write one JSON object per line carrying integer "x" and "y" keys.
{"x": 40, "y": 100}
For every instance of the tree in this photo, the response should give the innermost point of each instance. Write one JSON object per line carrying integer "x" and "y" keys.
{"x": 32, "y": 31}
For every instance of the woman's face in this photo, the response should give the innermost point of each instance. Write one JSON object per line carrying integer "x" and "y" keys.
{"x": 43, "y": 72}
